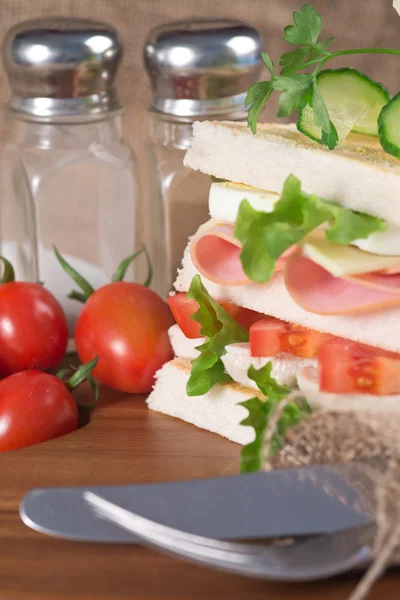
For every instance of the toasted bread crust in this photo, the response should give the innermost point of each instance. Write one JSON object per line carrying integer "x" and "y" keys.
{"x": 359, "y": 175}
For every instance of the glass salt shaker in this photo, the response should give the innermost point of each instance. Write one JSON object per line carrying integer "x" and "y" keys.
{"x": 67, "y": 177}
{"x": 199, "y": 69}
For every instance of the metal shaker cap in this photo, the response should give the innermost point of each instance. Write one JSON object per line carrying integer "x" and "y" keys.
{"x": 60, "y": 67}
{"x": 202, "y": 67}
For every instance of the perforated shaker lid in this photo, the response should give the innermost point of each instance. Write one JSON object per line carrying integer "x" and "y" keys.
{"x": 202, "y": 66}
{"x": 62, "y": 66}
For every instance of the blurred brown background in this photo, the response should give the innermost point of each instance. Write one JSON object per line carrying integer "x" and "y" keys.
{"x": 355, "y": 23}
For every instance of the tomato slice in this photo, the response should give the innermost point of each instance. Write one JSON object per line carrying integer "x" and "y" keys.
{"x": 183, "y": 308}
{"x": 271, "y": 336}
{"x": 244, "y": 316}
{"x": 347, "y": 367}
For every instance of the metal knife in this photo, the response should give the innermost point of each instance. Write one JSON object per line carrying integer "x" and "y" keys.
{"x": 283, "y": 503}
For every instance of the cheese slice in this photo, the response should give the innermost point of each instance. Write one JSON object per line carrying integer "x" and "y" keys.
{"x": 342, "y": 261}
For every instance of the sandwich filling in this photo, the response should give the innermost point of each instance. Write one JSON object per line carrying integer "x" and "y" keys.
{"x": 333, "y": 261}
{"x": 239, "y": 358}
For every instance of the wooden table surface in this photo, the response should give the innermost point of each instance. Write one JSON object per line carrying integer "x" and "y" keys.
{"x": 126, "y": 443}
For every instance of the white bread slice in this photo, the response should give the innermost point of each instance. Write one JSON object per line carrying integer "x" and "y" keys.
{"x": 285, "y": 367}
{"x": 377, "y": 328}
{"x": 358, "y": 175}
{"x": 182, "y": 346}
{"x": 217, "y": 411}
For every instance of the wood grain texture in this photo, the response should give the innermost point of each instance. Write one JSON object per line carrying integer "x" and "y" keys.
{"x": 355, "y": 23}
{"x": 126, "y": 443}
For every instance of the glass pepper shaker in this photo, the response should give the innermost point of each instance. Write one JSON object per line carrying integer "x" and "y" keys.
{"x": 199, "y": 69}
{"x": 67, "y": 177}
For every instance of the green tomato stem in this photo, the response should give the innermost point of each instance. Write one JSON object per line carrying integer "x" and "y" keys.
{"x": 82, "y": 373}
{"x": 8, "y": 272}
{"x": 125, "y": 264}
{"x": 78, "y": 377}
{"x": 79, "y": 296}
{"x": 85, "y": 286}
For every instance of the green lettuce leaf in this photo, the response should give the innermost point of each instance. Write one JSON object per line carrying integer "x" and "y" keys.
{"x": 219, "y": 329}
{"x": 266, "y": 236}
{"x": 266, "y": 383}
{"x": 253, "y": 455}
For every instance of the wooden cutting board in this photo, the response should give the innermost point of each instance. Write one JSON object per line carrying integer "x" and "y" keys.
{"x": 126, "y": 443}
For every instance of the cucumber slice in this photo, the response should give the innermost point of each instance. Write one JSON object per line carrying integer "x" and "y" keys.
{"x": 353, "y": 100}
{"x": 389, "y": 126}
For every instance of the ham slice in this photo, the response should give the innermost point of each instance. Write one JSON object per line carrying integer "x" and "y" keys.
{"x": 215, "y": 253}
{"x": 391, "y": 271}
{"x": 386, "y": 282}
{"x": 317, "y": 291}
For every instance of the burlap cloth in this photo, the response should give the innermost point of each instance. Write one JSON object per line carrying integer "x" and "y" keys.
{"x": 365, "y": 449}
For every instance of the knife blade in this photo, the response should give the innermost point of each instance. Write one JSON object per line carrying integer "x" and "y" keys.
{"x": 283, "y": 503}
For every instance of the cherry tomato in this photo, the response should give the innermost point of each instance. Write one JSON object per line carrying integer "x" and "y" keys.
{"x": 346, "y": 367}
{"x": 33, "y": 328}
{"x": 126, "y": 326}
{"x": 271, "y": 336}
{"x": 34, "y": 407}
{"x": 183, "y": 308}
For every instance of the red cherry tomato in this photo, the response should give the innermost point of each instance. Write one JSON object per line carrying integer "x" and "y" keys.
{"x": 271, "y": 336}
{"x": 183, "y": 308}
{"x": 346, "y": 367}
{"x": 126, "y": 326}
{"x": 33, "y": 328}
{"x": 34, "y": 407}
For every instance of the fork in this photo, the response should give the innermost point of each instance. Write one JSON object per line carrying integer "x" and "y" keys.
{"x": 306, "y": 559}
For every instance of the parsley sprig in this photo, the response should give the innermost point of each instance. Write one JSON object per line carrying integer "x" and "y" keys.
{"x": 300, "y": 89}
